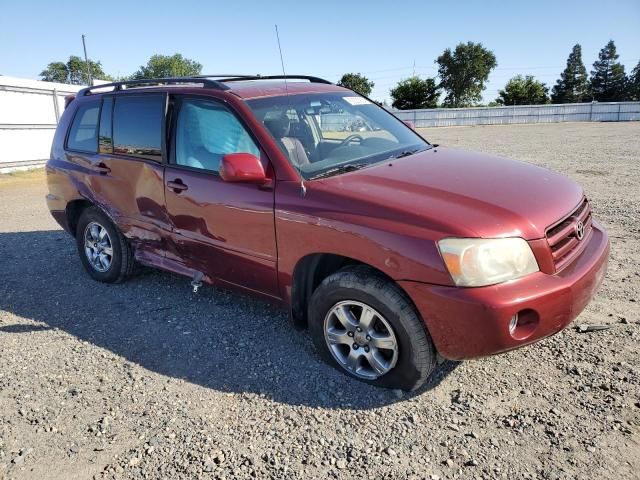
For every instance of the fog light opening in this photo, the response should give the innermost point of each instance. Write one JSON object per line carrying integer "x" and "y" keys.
{"x": 523, "y": 324}
{"x": 513, "y": 324}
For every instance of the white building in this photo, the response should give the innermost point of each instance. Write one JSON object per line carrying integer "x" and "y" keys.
{"x": 29, "y": 113}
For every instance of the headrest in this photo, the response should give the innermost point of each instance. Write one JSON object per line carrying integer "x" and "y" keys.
{"x": 278, "y": 126}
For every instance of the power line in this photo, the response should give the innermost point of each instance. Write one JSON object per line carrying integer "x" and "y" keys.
{"x": 626, "y": 60}
{"x": 434, "y": 68}
{"x": 370, "y": 71}
{"x": 548, "y": 77}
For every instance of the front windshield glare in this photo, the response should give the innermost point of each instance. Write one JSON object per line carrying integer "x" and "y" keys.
{"x": 328, "y": 133}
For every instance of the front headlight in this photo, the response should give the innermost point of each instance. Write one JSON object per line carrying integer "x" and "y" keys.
{"x": 476, "y": 262}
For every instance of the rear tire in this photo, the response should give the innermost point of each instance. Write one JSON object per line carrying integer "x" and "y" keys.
{"x": 406, "y": 356}
{"x": 104, "y": 251}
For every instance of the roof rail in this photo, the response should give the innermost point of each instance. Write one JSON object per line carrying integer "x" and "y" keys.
{"x": 117, "y": 86}
{"x": 237, "y": 78}
{"x": 206, "y": 81}
{"x": 226, "y": 75}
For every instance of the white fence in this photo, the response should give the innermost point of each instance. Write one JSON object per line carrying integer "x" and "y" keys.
{"x": 570, "y": 112}
{"x": 29, "y": 113}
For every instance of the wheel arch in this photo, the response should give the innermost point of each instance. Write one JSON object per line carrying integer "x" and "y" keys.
{"x": 73, "y": 211}
{"x": 312, "y": 269}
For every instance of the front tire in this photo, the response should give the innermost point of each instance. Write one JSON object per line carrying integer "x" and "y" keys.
{"x": 365, "y": 326}
{"x": 104, "y": 251}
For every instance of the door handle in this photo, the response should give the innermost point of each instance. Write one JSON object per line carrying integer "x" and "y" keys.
{"x": 177, "y": 185}
{"x": 102, "y": 169}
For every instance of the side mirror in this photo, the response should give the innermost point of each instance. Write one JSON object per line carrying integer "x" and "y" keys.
{"x": 409, "y": 124}
{"x": 242, "y": 167}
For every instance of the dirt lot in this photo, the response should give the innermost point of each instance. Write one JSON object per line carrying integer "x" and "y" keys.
{"x": 146, "y": 380}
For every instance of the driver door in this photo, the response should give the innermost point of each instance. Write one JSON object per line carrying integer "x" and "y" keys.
{"x": 225, "y": 230}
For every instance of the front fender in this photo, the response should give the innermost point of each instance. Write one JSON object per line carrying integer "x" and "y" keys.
{"x": 307, "y": 226}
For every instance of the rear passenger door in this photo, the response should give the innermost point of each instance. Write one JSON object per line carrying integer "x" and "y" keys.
{"x": 226, "y": 230}
{"x": 130, "y": 185}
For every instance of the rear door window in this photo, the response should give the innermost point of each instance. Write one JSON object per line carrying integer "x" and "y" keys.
{"x": 137, "y": 126}
{"x": 83, "y": 135}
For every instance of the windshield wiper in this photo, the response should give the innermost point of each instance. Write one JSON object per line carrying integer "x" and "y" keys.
{"x": 347, "y": 167}
{"x": 406, "y": 153}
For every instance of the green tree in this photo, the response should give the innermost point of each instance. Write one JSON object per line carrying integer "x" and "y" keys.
{"x": 573, "y": 84}
{"x": 73, "y": 72}
{"x": 357, "y": 82}
{"x": 163, "y": 66}
{"x": 55, "y": 72}
{"x": 415, "y": 92}
{"x": 634, "y": 84}
{"x": 523, "y": 91}
{"x": 463, "y": 73}
{"x": 608, "y": 79}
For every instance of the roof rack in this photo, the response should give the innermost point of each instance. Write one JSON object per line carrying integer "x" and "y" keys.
{"x": 207, "y": 81}
{"x": 237, "y": 78}
{"x": 117, "y": 86}
{"x": 226, "y": 75}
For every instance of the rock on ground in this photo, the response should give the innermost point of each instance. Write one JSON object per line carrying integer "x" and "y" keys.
{"x": 146, "y": 380}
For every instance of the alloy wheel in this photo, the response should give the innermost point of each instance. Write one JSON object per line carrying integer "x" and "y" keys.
{"x": 360, "y": 339}
{"x": 98, "y": 247}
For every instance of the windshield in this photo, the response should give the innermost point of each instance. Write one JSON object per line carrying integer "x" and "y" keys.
{"x": 325, "y": 134}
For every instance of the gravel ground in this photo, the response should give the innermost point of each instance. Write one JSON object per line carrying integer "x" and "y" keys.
{"x": 147, "y": 380}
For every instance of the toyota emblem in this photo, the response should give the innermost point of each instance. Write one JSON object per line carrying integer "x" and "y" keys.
{"x": 579, "y": 230}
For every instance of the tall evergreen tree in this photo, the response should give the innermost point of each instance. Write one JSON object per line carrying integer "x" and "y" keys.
{"x": 573, "y": 84}
{"x": 634, "y": 84}
{"x": 608, "y": 80}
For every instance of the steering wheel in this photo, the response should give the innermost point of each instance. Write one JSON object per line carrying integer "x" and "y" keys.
{"x": 350, "y": 139}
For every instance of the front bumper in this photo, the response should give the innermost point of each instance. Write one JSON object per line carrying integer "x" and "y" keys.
{"x": 473, "y": 322}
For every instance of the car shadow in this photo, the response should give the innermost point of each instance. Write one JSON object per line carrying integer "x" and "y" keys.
{"x": 216, "y": 338}
{"x": 23, "y": 328}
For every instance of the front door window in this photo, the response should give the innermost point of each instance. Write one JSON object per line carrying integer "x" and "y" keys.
{"x": 205, "y": 131}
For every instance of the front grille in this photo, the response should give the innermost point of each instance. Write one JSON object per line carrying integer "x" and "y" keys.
{"x": 563, "y": 237}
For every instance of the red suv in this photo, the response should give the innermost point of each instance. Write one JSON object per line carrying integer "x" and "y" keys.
{"x": 391, "y": 249}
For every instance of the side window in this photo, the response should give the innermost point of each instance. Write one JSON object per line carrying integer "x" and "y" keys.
{"x": 205, "y": 131}
{"x": 137, "y": 126}
{"x": 105, "y": 138}
{"x": 83, "y": 135}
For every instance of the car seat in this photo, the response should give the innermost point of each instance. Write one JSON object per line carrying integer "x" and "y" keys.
{"x": 280, "y": 127}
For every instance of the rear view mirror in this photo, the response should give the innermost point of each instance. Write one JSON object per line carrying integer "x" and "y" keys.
{"x": 409, "y": 124}
{"x": 242, "y": 167}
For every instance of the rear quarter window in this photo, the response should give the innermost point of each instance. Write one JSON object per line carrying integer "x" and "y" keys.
{"x": 83, "y": 134}
{"x": 137, "y": 126}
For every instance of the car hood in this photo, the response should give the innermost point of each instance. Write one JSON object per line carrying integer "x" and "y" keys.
{"x": 455, "y": 192}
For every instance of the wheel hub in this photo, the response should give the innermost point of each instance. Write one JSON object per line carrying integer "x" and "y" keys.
{"x": 360, "y": 338}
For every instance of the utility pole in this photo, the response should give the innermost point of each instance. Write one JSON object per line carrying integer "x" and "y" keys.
{"x": 86, "y": 61}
